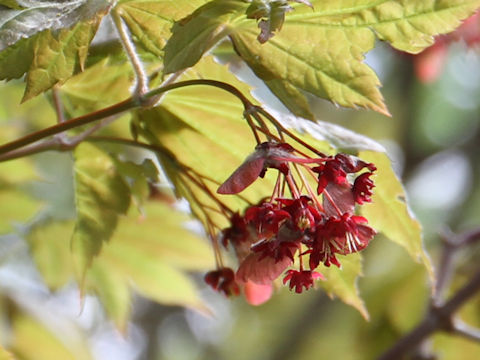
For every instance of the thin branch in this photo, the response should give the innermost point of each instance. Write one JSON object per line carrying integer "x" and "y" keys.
{"x": 439, "y": 318}
{"x": 57, "y": 103}
{"x": 57, "y": 143}
{"x": 466, "y": 331}
{"x": 69, "y": 124}
{"x": 118, "y": 108}
{"x": 141, "y": 87}
{"x": 451, "y": 244}
{"x": 445, "y": 267}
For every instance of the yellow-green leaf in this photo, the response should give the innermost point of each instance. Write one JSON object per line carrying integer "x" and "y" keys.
{"x": 16, "y": 59}
{"x": 5, "y": 355}
{"x": 33, "y": 17}
{"x": 199, "y": 32}
{"x": 410, "y": 25}
{"x": 208, "y": 134}
{"x": 150, "y": 21}
{"x": 343, "y": 282}
{"x": 112, "y": 290}
{"x": 101, "y": 85}
{"x": 292, "y": 97}
{"x": 50, "y": 247}
{"x": 17, "y": 206}
{"x": 56, "y": 58}
{"x": 153, "y": 251}
{"x": 34, "y": 341}
{"x": 389, "y": 213}
{"x": 324, "y": 61}
{"x": 101, "y": 195}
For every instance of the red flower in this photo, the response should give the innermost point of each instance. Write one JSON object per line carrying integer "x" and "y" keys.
{"x": 301, "y": 279}
{"x": 223, "y": 280}
{"x": 237, "y": 233}
{"x": 328, "y": 173}
{"x": 276, "y": 249}
{"x": 270, "y": 234}
{"x": 266, "y": 219}
{"x": 335, "y": 170}
{"x": 339, "y": 235}
{"x": 362, "y": 188}
{"x": 261, "y": 270}
{"x": 303, "y": 214}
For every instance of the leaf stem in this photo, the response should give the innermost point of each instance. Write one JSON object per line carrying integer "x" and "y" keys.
{"x": 208, "y": 82}
{"x": 141, "y": 86}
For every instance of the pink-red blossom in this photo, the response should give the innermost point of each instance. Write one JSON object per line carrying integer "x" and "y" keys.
{"x": 301, "y": 279}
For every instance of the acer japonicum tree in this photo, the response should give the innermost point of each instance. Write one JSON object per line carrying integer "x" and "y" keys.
{"x": 153, "y": 100}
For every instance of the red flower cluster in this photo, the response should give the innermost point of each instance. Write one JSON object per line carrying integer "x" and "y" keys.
{"x": 271, "y": 235}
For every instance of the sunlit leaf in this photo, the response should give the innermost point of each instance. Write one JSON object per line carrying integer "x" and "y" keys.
{"x": 150, "y": 252}
{"x": 161, "y": 234}
{"x": 101, "y": 195}
{"x": 138, "y": 177}
{"x": 150, "y": 21}
{"x": 99, "y": 86}
{"x": 291, "y": 97}
{"x": 330, "y": 137}
{"x": 389, "y": 213}
{"x": 55, "y": 58}
{"x": 112, "y": 290}
{"x": 50, "y": 249}
{"x": 343, "y": 282}
{"x": 206, "y": 133}
{"x": 320, "y": 50}
{"x": 34, "y": 341}
{"x": 410, "y": 26}
{"x": 323, "y": 61}
{"x": 5, "y": 355}
{"x": 154, "y": 279}
{"x": 16, "y": 59}
{"x": 151, "y": 249}
{"x": 199, "y": 32}
{"x": 36, "y": 16}
{"x": 17, "y": 207}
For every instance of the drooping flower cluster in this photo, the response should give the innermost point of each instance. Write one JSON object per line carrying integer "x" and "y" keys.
{"x": 292, "y": 228}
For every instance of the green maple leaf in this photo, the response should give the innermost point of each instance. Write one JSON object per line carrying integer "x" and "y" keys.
{"x": 55, "y": 59}
{"x": 319, "y": 50}
{"x": 101, "y": 195}
{"x": 150, "y": 252}
{"x": 150, "y": 21}
{"x": 36, "y": 16}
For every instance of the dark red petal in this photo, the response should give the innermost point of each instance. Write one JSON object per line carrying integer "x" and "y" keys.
{"x": 342, "y": 197}
{"x": 244, "y": 176}
{"x": 261, "y": 271}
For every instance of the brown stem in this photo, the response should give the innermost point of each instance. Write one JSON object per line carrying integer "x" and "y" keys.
{"x": 57, "y": 103}
{"x": 120, "y": 107}
{"x": 67, "y": 125}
